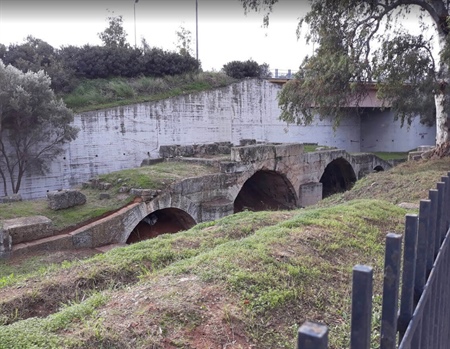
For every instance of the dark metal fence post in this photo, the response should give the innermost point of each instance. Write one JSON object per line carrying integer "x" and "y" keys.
{"x": 409, "y": 266}
{"x": 422, "y": 244}
{"x": 445, "y": 202}
{"x": 425, "y": 217}
{"x": 441, "y": 213}
{"x": 433, "y": 196}
{"x": 312, "y": 336}
{"x": 390, "y": 291}
{"x": 361, "y": 324}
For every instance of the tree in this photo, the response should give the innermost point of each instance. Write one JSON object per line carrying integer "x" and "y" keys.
{"x": 114, "y": 35}
{"x": 34, "y": 125}
{"x": 184, "y": 41}
{"x": 361, "y": 43}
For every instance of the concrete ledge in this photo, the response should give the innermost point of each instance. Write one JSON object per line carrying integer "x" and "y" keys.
{"x": 26, "y": 229}
{"x": 53, "y": 243}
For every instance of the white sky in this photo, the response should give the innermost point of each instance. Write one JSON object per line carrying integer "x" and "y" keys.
{"x": 225, "y": 32}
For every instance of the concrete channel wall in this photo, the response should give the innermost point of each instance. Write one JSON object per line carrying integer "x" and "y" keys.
{"x": 122, "y": 137}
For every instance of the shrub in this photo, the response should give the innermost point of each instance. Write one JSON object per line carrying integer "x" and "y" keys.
{"x": 248, "y": 69}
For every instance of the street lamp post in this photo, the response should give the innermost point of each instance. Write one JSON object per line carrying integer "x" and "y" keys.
{"x": 135, "y": 2}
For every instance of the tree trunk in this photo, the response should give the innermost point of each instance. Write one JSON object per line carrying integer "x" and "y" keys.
{"x": 442, "y": 134}
{"x": 442, "y": 121}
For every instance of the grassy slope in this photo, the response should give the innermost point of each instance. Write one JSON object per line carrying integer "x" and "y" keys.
{"x": 247, "y": 278}
{"x": 107, "y": 93}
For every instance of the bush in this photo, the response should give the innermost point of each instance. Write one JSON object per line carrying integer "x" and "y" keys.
{"x": 248, "y": 69}
{"x": 68, "y": 65}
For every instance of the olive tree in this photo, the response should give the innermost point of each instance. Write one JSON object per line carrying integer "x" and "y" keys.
{"x": 362, "y": 43}
{"x": 34, "y": 125}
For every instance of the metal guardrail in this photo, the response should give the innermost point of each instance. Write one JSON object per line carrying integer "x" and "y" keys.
{"x": 282, "y": 74}
{"x": 423, "y": 320}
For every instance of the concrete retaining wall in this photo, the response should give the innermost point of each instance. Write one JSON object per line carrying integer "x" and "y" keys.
{"x": 122, "y": 137}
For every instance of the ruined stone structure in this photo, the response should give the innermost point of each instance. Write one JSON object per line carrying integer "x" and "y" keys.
{"x": 258, "y": 177}
{"x": 124, "y": 137}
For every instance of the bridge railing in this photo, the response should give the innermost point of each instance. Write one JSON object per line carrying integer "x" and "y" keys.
{"x": 423, "y": 320}
{"x": 282, "y": 74}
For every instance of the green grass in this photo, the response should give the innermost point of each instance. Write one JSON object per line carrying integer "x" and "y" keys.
{"x": 249, "y": 278}
{"x": 158, "y": 176}
{"x": 283, "y": 266}
{"x": 106, "y": 93}
{"x": 392, "y": 155}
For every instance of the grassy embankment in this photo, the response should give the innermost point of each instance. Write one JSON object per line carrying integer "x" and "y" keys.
{"x": 250, "y": 278}
{"x": 106, "y": 93}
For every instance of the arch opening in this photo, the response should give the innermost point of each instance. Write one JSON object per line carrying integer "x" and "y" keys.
{"x": 265, "y": 191}
{"x": 165, "y": 221}
{"x": 338, "y": 177}
{"x": 378, "y": 168}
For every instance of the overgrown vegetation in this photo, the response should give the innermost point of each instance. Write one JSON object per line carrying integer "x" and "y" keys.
{"x": 103, "y": 93}
{"x": 247, "y": 279}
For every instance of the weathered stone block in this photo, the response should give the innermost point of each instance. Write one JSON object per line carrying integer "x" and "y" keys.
{"x": 310, "y": 194}
{"x": 186, "y": 151}
{"x": 59, "y": 200}
{"x": 104, "y": 186}
{"x": 5, "y": 244}
{"x": 149, "y": 162}
{"x": 10, "y": 199}
{"x": 28, "y": 228}
{"x": 245, "y": 142}
{"x": 82, "y": 239}
{"x": 253, "y": 153}
{"x": 425, "y": 148}
{"x": 414, "y": 155}
{"x": 145, "y": 194}
{"x": 217, "y": 208}
{"x": 86, "y": 185}
{"x": 288, "y": 150}
{"x": 124, "y": 189}
{"x": 233, "y": 167}
{"x": 104, "y": 196}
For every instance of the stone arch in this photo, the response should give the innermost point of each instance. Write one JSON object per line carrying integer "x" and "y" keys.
{"x": 378, "y": 168}
{"x": 337, "y": 177}
{"x": 266, "y": 190}
{"x": 163, "y": 221}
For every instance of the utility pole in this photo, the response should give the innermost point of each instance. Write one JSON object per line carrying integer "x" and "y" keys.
{"x": 135, "y": 2}
{"x": 196, "y": 29}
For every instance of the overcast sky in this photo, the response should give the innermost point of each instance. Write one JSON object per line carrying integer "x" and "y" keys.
{"x": 225, "y": 32}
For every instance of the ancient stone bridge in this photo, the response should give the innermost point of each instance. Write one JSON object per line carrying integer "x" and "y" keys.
{"x": 258, "y": 177}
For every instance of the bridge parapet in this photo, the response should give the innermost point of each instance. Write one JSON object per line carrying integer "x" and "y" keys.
{"x": 263, "y": 152}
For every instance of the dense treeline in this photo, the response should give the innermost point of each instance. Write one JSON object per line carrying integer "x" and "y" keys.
{"x": 67, "y": 65}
